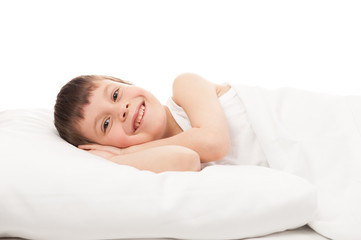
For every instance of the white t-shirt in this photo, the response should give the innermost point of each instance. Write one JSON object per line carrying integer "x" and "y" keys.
{"x": 245, "y": 149}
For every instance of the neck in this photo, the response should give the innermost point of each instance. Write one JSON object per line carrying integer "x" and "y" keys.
{"x": 172, "y": 127}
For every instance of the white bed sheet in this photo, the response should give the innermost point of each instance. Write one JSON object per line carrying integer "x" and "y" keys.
{"x": 316, "y": 136}
{"x": 297, "y": 234}
{"x": 302, "y": 233}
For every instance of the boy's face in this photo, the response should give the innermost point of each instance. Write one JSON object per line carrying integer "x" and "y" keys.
{"x": 122, "y": 115}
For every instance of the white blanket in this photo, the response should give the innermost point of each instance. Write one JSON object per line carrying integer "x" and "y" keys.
{"x": 316, "y": 136}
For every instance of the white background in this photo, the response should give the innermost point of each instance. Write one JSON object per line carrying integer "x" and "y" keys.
{"x": 313, "y": 45}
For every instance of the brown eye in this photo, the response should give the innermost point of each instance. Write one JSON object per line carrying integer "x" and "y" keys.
{"x": 115, "y": 95}
{"x": 105, "y": 125}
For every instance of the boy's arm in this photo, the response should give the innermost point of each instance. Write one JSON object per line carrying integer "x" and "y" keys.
{"x": 157, "y": 159}
{"x": 209, "y": 135}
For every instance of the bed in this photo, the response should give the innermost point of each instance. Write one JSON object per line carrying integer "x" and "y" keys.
{"x": 52, "y": 190}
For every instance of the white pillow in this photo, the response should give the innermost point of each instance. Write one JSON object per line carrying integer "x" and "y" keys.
{"x": 52, "y": 190}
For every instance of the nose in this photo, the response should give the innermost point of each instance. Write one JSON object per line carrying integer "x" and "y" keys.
{"x": 124, "y": 112}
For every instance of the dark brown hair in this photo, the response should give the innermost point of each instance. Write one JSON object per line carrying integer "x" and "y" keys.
{"x": 68, "y": 109}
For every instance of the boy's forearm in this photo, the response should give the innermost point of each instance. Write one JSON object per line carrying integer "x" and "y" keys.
{"x": 160, "y": 159}
{"x": 199, "y": 140}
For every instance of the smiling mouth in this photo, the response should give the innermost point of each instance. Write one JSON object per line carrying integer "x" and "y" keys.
{"x": 139, "y": 117}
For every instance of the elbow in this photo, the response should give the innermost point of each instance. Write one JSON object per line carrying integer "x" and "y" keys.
{"x": 196, "y": 164}
{"x": 217, "y": 150}
{"x": 226, "y": 147}
{"x": 221, "y": 151}
{"x": 190, "y": 161}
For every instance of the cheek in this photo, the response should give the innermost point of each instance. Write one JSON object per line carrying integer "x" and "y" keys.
{"x": 122, "y": 140}
{"x": 134, "y": 91}
{"x": 117, "y": 138}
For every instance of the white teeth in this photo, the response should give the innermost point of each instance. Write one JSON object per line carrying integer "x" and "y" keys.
{"x": 140, "y": 116}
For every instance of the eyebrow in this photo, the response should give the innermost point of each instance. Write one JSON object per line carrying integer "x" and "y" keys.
{"x": 106, "y": 90}
{"x": 98, "y": 117}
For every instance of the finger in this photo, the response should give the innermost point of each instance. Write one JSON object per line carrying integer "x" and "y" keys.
{"x": 89, "y": 146}
{"x": 104, "y": 154}
{"x": 98, "y": 153}
{"x": 111, "y": 149}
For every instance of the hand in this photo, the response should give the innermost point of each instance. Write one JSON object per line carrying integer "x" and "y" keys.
{"x": 103, "y": 154}
{"x": 102, "y": 150}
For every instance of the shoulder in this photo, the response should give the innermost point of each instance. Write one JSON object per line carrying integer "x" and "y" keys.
{"x": 190, "y": 84}
{"x": 188, "y": 79}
